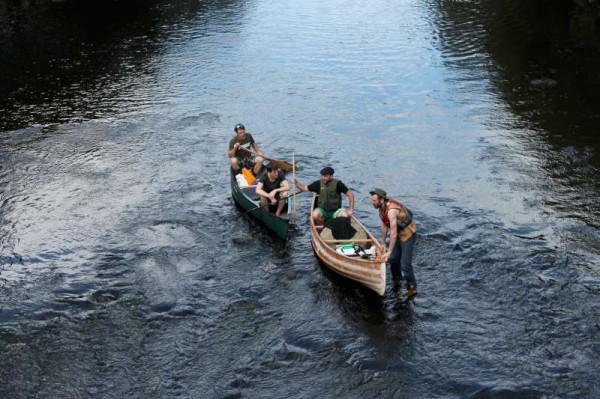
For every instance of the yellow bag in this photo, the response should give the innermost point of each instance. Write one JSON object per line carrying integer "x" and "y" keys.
{"x": 248, "y": 175}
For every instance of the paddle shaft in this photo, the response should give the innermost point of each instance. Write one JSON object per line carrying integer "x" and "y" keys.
{"x": 294, "y": 178}
{"x": 283, "y": 165}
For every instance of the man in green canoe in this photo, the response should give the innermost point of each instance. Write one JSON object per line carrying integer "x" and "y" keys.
{"x": 244, "y": 152}
{"x": 273, "y": 189}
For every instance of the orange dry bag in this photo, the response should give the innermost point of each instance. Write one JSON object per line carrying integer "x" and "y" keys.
{"x": 248, "y": 175}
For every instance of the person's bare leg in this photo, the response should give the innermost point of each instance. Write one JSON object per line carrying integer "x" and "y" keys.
{"x": 282, "y": 202}
{"x": 318, "y": 218}
{"x": 343, "y": 214}
{"x": 235, "y": 165}
{"x": 280, "y": 207}
{"x": 264, "y": 201}
{"x": 258, "y": 165}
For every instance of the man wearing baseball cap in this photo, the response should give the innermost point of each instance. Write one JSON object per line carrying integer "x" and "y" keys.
{"x": 330, "y": 196}
{"x": 399, "y": 220}
{"x": 243, "y": 151}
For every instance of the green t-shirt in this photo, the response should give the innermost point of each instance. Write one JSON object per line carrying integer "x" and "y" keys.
{"x": 247, "y": 143}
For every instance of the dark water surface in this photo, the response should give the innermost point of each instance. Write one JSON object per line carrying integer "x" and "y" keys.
{"x": 126, "y": 271}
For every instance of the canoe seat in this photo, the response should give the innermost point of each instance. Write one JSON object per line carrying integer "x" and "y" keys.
{"x": 360, "y": 236}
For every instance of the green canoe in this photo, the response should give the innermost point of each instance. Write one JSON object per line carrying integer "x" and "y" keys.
{"x": 247, "y": 198}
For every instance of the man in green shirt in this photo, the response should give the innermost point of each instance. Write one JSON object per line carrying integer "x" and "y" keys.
{"x": 244, "y": 152}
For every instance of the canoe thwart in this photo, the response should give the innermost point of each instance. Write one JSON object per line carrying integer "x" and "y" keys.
{"x": 347, "y": 241}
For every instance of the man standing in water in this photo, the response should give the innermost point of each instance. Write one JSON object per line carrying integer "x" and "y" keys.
{"x": 330, "y": 196}
{"x": 243, "y": 157}
{"x": 398, "y": 219}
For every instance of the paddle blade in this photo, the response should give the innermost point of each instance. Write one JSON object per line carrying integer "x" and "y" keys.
{"x": 283, "y": 165}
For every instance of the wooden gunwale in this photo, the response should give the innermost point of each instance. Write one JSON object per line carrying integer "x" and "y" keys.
{"x": 347, "y": 241}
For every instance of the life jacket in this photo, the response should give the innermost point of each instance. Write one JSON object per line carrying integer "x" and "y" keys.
{"x": 401, "y": 221}
{"x": 329, "y": 198}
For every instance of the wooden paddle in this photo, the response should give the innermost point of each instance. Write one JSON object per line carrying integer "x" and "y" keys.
{"x": 294, "y": 178}
{"x": 283, "y": 165}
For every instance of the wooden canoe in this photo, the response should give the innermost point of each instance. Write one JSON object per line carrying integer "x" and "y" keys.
{"x": 369, "y": 272}
{"x": 247, "y": 198}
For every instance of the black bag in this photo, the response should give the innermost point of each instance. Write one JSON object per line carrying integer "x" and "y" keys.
{"x": 341, "y": 228}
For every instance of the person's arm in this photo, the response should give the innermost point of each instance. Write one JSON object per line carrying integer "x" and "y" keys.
{"x": 392, "y": 216}
{"x": 384, "y": 231}
{"x": 256, "y": 149}
{"x": 232, "y": 150}
{"x": 342, "y": 188}
{"x": 285, "y": 186}
{"x": 350, "y": 196}
{"x": 300, "y": 186}
{"x": 260, "y": 191}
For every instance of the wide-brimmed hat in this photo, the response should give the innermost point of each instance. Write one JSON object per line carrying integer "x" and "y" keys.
{"x": 379, "y": 192}
{"x": 328, "y": 170}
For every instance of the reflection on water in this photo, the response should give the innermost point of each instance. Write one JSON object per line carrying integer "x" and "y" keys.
{"x": 548, "y": 79}
{"x": 125, "y": 269}
{"x": 73, "y": 60}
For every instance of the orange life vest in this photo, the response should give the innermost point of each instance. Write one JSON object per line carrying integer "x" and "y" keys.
{"x": 401, "y": 220}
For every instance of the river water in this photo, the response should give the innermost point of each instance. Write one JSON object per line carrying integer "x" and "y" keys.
{"x": 126, "y": 271}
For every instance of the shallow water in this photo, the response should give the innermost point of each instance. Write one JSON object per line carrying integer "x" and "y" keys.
{"x": 126, "y": 271}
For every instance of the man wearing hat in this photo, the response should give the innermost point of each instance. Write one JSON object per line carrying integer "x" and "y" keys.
{"x": 243, "y": 151}
{"x": 399, "y": 220}
{"x": 330, "y": 196}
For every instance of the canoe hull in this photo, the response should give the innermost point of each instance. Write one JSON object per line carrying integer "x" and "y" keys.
{"x": 369, "y": 272}
{"x": 247, "y": 199}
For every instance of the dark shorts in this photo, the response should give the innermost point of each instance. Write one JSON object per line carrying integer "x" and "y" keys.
{"x": 273, "y": 208}
{"x": 246, "y": 162}
{"x": 278, "y": 196}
